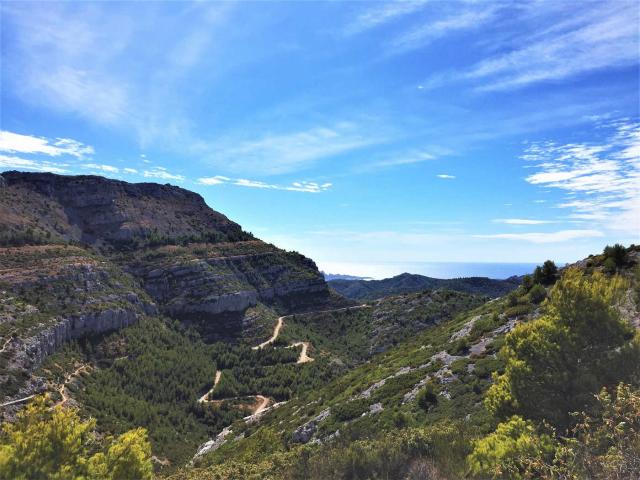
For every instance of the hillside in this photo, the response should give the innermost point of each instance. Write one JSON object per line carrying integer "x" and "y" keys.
{"x": 239, "y": 362}
{"x": 413, "y": 411}
{"x": 128, "y": 300}
{"x": 85, "y": 255}
{"x": 363, "y": 290}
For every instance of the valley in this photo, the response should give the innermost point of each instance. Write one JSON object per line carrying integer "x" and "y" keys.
{"x": 140, "y": 307}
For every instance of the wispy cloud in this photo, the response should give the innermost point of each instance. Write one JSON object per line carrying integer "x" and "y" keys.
{"x": 431, "y": 30}
{"x": 545, "y": 237}
{"x": 18, "y": 143}
{"x": 383, "y": 13}
{"x": 101, "y": 167}
{"x": 446, "y": 176}
{"x": 521, "y": 221}
{"x": 303, "y": 186}
{"x": 161, "y": 173}
{"x": 606, "y": 36}
{"x": 10, "y": 161}
{"x": 601, "y": 180}
{"x": 287, "y": 152}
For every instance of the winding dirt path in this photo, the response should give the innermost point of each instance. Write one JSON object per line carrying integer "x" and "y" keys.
{"x": 264, "y": 403}
{"x": 304, "y": 357}
{"x": 62, "y": 390}
{"x": 216, "y": 380}
{"x": 274, "y": 337}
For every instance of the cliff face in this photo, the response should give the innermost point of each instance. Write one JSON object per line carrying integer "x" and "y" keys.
{"x": 102, "y": 212}
{"x": 52, "y": 294}
{"x": 86, "y": 255}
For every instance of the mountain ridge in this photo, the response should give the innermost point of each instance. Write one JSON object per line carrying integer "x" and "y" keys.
{"x": 84, "y": 255}
{"x": 410, "y": 283}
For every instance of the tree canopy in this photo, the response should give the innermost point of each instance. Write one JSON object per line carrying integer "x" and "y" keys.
{"x": 55, "y": 443}
{"x": 556, "y": 363}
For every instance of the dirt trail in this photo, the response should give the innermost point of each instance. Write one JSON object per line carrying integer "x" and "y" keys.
{"x": 6, "y": 343}
{"x": 264, "y": 403}
{"x": 280, "y": 324}
{"x": 62, "y": 390}
{"x": 216, "y": 380}
{"x": 19, "y": 400}
{"x": 274, "y": 337}
{"x": 304, "y": 357}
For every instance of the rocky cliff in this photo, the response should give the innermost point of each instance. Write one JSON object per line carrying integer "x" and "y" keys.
{"x": 86, "y": 255}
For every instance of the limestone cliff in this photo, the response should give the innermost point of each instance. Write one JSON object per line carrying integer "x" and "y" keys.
{"x": 84, "y": 255}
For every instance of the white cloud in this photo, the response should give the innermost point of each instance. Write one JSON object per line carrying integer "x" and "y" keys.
{"x": 17, "y": 143}
{"x": 129, "y": 170}
{"x": 288, "y": 152}
{"x": 104, "y": 168}
{"x": 604, "y": 35}
{"x": 545, "y": 237}
{"x": 7, "y": 161}
{"x": 383, "y": 13}
{"x": 408, "y": 158}
{"x": 601, "y": 181}
{"x": 303, "y": 186}
{"x": 162, "y": 174}
{"x": 420, "y": 36}
{"x": 521, "y": 221}
{"x": 445, "y": 176}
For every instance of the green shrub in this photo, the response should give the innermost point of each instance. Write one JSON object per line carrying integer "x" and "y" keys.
{"x": 537, "y": 293}
{"x": 459, "y": 347}
{"x": 428, "y": 396}
{"x": 517, "y": 310}
{"x": 350, "y": 410}
{"x": 616, "y": 256}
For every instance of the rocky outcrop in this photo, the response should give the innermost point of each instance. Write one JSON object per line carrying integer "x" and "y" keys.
{"x": 215, "y": 291}
{"x": 212, "y": 445}
{"x": 34, "y": 349}
{"x": 102, "y": 212}
{"x": 85, "y": 255}
{"x": 305, "y": 433}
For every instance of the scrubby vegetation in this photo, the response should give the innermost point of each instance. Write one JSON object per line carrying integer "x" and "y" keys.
{"x": 54, "y": 442}
{"x": 563, "y": 401}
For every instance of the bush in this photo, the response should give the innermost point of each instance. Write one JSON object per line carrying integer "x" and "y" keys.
{"x": 616, "y": 256}
{"x": 517, "y": 311}
{"x": 350, "y": 410}
{"x": 54, "y": 442}
{"x": 537, "y": 293}
{"x": 427, "y": 397}
{"x": 511, "y": 450}
{"x": 546, "y": 274}
{"x": 459, "y": 347}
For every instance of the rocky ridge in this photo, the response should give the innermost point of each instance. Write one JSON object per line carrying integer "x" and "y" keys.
{"x": 84, "y": 255}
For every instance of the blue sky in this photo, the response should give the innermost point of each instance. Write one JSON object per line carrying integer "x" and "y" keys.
{"x": 372, "y": 137}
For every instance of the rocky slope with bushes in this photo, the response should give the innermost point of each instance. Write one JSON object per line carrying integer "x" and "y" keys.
{"x": 84, "y": 255}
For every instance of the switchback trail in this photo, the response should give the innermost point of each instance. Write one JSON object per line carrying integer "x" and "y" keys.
{"x": 303, "y": 358}
{"x": 264, "y": 401}
{"x": 216, "y": 380}
{"x": 62, "y": 389}
{"x": 274, "y": 337}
